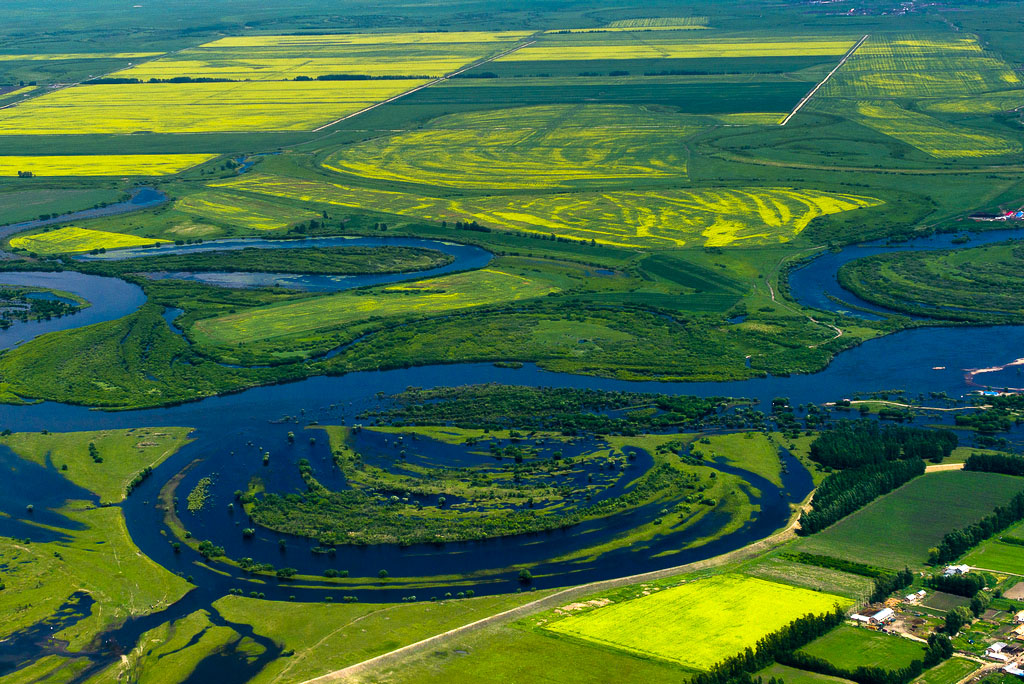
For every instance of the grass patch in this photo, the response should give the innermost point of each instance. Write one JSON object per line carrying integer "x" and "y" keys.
{"x": 791, "y": 675}
{"x": 897, "y": 530}
{"x": 125, "y": 453}
{"x": 254, "y": 214}
{"x": 948, "y": 672}
{"x": 699, "y": 623}
{"x": 421, "y": 298}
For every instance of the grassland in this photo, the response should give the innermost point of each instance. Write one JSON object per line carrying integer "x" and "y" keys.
{"x": 591, "y": 47}
{"x": 698, "y": 623}
{"x": 897, "y": 529}
{"x": 245, "y": 212}
{"x": 23, "y": 204}
{"x": 656, "y": 218}
{"x": 72, "y": 239}
{"x": 991, "y": 103}
{"x": 555, "y": 146}
{"x": 102, "y": 164}
{"x": 852, "y": 647}
{"x": 422, "y": 298}
{"x": 195, "y": 107}
{"x": 125, "y": 454}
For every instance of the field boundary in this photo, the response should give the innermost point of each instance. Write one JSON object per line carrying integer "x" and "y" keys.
{"x": 808, "y": 96}
{"x": 552, "y": 600}
{"x": 453, "y": 74}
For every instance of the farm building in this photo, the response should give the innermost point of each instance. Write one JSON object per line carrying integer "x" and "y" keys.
{"x": 1019, "y": 617}
{"x": 995, "y": 652}
{"x": 1013, "y": 670}
{"x": 917, "y": 596}
{"x": 883, "y": 616}
{"x": 956, "y": 570}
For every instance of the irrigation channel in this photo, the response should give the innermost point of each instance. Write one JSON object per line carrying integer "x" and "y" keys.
{"x": 232, "y": 430}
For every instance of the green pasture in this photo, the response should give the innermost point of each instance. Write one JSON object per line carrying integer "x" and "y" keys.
{"x": 897, "y": 529}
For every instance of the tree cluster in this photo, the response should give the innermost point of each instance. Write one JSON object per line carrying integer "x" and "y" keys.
{"x": 1006, "y": 464}
{"x": 852, "y": 444}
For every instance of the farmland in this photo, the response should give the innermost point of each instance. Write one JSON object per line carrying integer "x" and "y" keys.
{"x": 532, "y": 147}
{"x": 424, "y": 297}
{"x": 1003, "y": 556}
{"x": 102, "y": 165}
{"x": 665, "y": 624}
{"x": 73, "y": 239}
{"x": 588, "y": 47}
{"x": 666, "y": 219}
{"x": 195, "y": 107}
{"x": 899, "y": 528}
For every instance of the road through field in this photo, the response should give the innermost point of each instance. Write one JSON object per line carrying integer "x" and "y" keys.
{"x": 808, "y": 96}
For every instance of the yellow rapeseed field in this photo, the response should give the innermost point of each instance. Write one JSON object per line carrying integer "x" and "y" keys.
{"x": 552, "y": 146}
{"x": 102, "y": 164}
{"x": 656, "y": 218}
{"x": 699, "y": 623}
{"x": 323, "y": 40}
{"x": 1004, "y": 101}
{"x": 72, "y": 239}
{"x": 194, "y": 107}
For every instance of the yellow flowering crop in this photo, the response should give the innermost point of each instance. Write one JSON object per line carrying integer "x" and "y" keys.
{"x": 102, "y": 164}
{"x": 74, "y": 239}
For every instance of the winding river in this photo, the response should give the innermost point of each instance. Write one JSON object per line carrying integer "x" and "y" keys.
{"x": 229, "y": 451}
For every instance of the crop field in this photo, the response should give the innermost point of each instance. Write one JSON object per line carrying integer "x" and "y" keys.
{"x": 74, "y": 239}
{"x": 421, "y": 298}
{"x": 1004, "y": 101}
{"x": 288, "y": 57}
{"x": 928, "y": 134}
{"x": 791, "y": 675}
{"x": 659, "y": 22}
{"x": 555, "y": 146}
{"x": 852, "y": 647}
{"x": 918, "y": 66}
{"x": 597, "y": 47}
{"x": 698, "y": 623}
{"x": 195, "y": 107}
{"x": 897, "y": 529}
{"x": 102, "y": 164}
{"x": 668, "y": 218}
{"x": 246, "y": 212}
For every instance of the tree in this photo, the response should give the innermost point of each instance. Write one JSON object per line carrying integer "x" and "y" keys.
{"x": 525, "y": 576}
{"x": 383, "y": 574}
{"x": 956, "y": 619}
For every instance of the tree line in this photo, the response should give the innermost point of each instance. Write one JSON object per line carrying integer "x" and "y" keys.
{"x": 995, "y": 463}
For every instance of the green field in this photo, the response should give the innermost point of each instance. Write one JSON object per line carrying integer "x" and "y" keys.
{"x": 234, "y": 211}
{"x": 899, "y": 528}
{"x": 790, "y": 675}
{"x": 421, "y": 298}
{"x": 1002, "y": 556}
{"x": 948, "y": 672}
{"x": 698, "y": 623}
{"x": 851, "y": 647}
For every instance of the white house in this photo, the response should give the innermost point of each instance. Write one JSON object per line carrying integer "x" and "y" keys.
{"x": 857, "y": 617}
{"x": 1019, "y": 616}
{"x": 885, "y": 615}
{"x": 916, "y": 596}
{"x": 956, "y": 570}
{"x": 995, "y": 652}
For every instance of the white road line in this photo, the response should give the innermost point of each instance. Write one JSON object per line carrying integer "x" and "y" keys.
{"x": 808, "y": 96}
